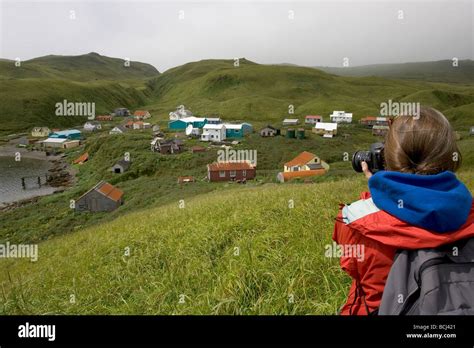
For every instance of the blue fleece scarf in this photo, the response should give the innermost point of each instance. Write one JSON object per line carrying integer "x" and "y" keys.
{"x": 439, "y": 203}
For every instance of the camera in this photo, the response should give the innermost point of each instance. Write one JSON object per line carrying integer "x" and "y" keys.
{"x": 374, "y": 158}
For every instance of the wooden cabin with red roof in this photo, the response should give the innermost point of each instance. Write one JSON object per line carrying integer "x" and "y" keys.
{"x": 82, "y": 158}
{"x": 230, "y": 171}
{"x": 306, "y": 164}
{"x": 371, "y": 121}
{"x": 141, "y": 115}
{"x": 102, "y": 197}
{"x": 103, "y": 118}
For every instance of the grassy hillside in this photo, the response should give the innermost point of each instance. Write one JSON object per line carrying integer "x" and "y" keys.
{"x": 152, "y": 178}
{"x": 179, "y": 251}
{"x": 87, "y": 67}
{"x": 252, "y": 92}
{"x": 25, "y": 103}
{"x": 234, "y": 252}
{"x": 439, "y": 71}
{"x": 262, "y": 93}
{"x": 28, "y": 94}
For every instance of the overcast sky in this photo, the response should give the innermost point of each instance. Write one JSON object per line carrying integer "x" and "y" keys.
{"x": 312, "y": 33}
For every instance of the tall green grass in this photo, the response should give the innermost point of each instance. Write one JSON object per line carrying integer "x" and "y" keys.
{"x": 241, "y": 251}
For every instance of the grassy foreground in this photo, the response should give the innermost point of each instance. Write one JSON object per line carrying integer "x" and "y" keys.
{"x": 244, "y": 252}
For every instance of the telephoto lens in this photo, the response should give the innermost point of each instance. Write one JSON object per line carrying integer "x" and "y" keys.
{"x": 358, "y": 158}
{"x": 374, "y": 158}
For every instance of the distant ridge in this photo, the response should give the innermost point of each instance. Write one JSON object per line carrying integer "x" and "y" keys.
{"x": 86, "y": 67}
{"x": 437, "y": 71}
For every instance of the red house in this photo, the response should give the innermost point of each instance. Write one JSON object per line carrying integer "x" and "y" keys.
{"x": 230, "y": 171}
{"x": 104, "y": 118}
{"x": 141, "y": 115}
{"x": 313, "y": 119}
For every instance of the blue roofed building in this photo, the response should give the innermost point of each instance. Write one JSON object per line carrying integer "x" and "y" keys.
{"x": 238, "y": 130}
{"x": 72, "y": 134}
{"x": 182, "y": 123}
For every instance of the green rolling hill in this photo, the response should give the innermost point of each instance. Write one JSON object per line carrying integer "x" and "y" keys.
{"x": 253, "y": 92}
{"x": 29, "y": 93}
{"x": 262, "y": 93}
{"x": 87, "y": 67}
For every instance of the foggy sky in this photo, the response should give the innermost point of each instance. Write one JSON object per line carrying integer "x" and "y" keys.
{"x": 322, "y": 33}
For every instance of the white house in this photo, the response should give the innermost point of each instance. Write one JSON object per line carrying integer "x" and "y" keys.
{"x": 341, "y": 117}
{"x": 60, "y": 143}
{"x": 91, "y": 126}
{"x": 213, "y": 132}
{"x": 53, "y": 142}
{"x": 40, "y": 132}
{"x": 326, "y": 129}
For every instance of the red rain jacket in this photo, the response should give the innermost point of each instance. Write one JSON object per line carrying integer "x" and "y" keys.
{"x": 382, "y": 235}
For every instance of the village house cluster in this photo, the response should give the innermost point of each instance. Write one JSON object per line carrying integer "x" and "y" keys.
{"x": 206, "y": 128}
{"x": 212, "y": 132}
{"x": 379, "y": 125}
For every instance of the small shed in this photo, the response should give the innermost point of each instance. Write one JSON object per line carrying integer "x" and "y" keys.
{"x": 198, "y": 148}
{"x": 290, "y": 121}
{"x": 102, "y": 197}
{"x": 71, "y": 143}
{"x": 185, "y": 179}
{"x": 169, "y": 146}
{"x": 104, "y": 118}
{"x": 118, "y": 130}
{"x": 269, "y": 131}
{"x": 121, "y": 166}
{"x": 121, "y": 112}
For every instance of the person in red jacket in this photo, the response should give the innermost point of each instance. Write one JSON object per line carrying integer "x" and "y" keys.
{"x": 416, "y": 203}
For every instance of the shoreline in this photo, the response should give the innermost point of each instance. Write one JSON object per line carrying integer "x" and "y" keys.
{"x": 56, "y": 164}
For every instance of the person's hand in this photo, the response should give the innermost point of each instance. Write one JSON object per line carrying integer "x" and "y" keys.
{"x": 365, "y": 170}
